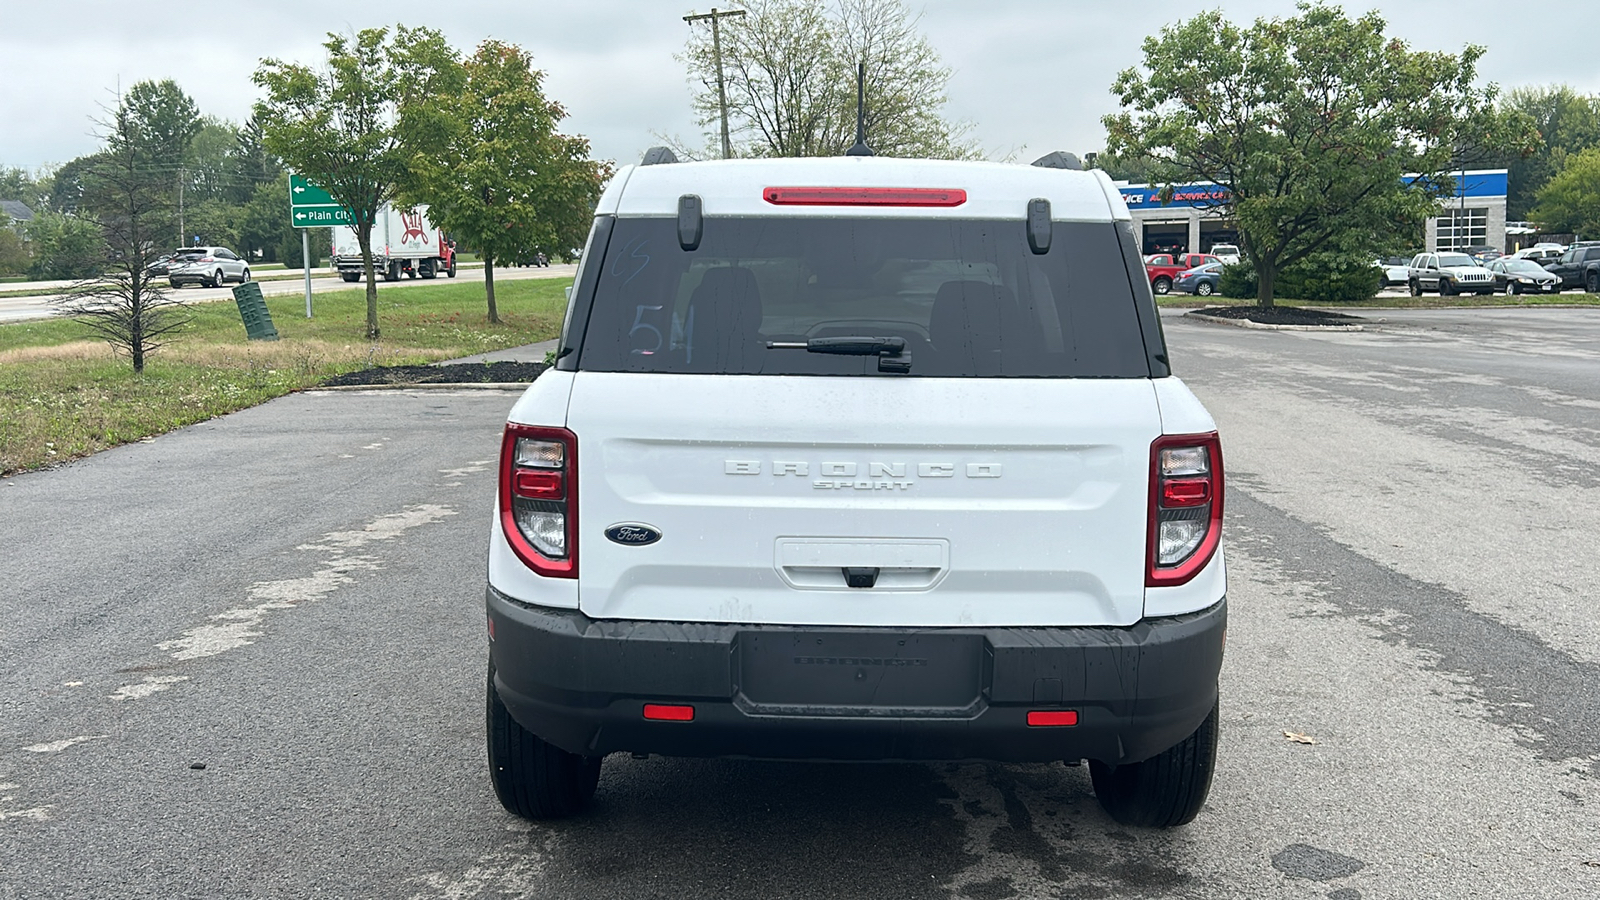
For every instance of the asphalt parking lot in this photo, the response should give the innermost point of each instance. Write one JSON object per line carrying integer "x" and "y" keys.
{"x": 246, "y": 660}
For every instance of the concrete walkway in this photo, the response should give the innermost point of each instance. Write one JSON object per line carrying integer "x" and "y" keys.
{"x": 527, "y": 354}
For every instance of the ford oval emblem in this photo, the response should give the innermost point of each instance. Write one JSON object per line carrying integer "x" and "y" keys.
{"x": 632, "y": 534}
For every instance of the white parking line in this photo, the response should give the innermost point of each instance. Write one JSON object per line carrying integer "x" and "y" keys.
{"x": 58, "y": 746}
{"x": 152, "y": 684}
{"x": 240, "y": 626}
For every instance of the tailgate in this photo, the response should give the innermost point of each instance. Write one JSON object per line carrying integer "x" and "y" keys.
{"x": 973, "y": 501}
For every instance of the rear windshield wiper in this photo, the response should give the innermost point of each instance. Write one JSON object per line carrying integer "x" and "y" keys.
{"x": 890, "y": 351}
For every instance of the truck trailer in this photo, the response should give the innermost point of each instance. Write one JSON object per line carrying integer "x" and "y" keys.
{"x": 403, "y": 241}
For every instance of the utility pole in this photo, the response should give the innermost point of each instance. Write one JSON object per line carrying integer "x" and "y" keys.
{"x": 716, "y": 54}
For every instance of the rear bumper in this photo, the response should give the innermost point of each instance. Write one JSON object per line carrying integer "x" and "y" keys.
{"x": 582, "y": 684}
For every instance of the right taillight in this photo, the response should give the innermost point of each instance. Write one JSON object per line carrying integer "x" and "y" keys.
{"x": 1185, "y": 507}
{"x": 539, "y": 497}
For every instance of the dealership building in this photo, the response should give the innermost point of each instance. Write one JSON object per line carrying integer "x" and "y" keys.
{"x": 1474, "y": 216}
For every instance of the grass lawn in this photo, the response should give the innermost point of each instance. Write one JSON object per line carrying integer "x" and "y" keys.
{"x": 65, "y": 395}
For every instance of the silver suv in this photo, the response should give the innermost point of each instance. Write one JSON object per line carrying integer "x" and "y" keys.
{"x": 210, "y": 266}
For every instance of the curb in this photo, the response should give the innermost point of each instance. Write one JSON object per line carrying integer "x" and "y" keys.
{"x": 426, "y": 385}
{"x": 1259, "y": 326}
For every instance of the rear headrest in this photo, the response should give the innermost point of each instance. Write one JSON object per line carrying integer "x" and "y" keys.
{"x": 973, "y": 316}
{"x": 727, "y": 311}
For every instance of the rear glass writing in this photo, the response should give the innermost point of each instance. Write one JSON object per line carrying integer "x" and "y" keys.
{"x": 968, "y": 298}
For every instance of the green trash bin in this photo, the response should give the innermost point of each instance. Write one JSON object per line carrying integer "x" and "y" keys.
{"x": 253, "y": 310}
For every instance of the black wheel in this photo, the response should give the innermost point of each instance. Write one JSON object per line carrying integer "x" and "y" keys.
{"x": 451, "y": 272}
{"x": 1162, "y": 285}
{"x": 532, "y": 777}
{"x": 427, "y": 269}
{"x": 392, "y": 272}
{"x": 1165, "y": 790}
{"x": 1591, "y": 282}
{"x": 245, "y": 278}
{"x": 1416, "y": 288}
{"x": 1447, "y": 288}
{"x": 1204, "y": 289}
{"x": 215, "y": 280}
{"x": 1511, "y": 289}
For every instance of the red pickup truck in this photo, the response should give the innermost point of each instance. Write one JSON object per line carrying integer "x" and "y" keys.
{"x": 1163, "y": 268}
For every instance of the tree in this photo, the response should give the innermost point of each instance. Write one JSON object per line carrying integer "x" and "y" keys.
{"x": 493, "y": 170}
{"x": 1568, "y": 123}
{"x": 338, "y": 126}
{"x": 64, "y": 246}
{"x": 127, "y": 194}
{"x": 1570, "y": 202}
{"x": 167, "y": 122}
{"x": 790, "y": 72}
{"x": 1309, "y": 122}
{"x": 14, "y": 256}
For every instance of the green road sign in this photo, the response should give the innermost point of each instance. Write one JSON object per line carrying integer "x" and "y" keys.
{"x": 312, "y": 207}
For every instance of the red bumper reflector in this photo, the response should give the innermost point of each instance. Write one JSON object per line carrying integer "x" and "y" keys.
{"x": 864, "y": 196}
{"x": 539, "y": 485}
{"x": 1043, "y": 718}
{"x": 662, "y": 712}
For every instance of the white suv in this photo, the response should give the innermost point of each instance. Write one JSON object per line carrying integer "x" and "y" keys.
{"x": 859, "y": 458}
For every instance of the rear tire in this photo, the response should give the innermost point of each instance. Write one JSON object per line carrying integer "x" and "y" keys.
{"x": 1591, "y": 282}
{"x": 1416, "y": 288}
{"x": 216, "y": 279}
{"x": 1204, "y": 289}
{"x": 1162, "y": 285}
{"x": 532, "y": 777}
{"x": 1164, "y": 791}
{"x": 392, "y": 272}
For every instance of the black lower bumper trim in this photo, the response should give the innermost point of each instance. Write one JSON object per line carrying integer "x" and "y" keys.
{"x": 793, "y": 692}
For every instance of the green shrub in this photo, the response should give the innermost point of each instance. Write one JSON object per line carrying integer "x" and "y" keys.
{"x": 1321, "y": 278}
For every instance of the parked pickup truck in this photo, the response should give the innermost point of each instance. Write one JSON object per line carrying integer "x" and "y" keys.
{"x": 1449, "y": 274}
{"x": 1578, "y": 267}
{"x": 1164, "y": 268}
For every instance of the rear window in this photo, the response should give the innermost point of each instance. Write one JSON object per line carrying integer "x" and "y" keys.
{"x": 969, "y": 298}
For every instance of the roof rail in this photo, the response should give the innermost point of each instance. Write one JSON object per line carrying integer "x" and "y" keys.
{"x": 658, "y": 156}
{"x": 1059, "y": 159}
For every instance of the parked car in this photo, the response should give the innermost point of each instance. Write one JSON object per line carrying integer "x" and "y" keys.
{"x": 851, "y": 534}
{"x": 160, "y": 264}
{"x": 209, "y": 266}
{"x": 1227, "y": 254}
{"x": 1202, "y": 281}
{"x": 1395, "y": 270}
{"x": 1540, "y": 253}
{"x": 1449, "y": 274}
{"x": 1163, "y": 268}
{"x": 1578, "y": 267}
{"x": 1523, "y": 276}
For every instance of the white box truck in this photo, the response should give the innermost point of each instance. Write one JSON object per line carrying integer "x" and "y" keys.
{"x": 403, "y": 241}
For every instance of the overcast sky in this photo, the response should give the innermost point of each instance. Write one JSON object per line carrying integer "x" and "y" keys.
{"x": 1032, "y": 76}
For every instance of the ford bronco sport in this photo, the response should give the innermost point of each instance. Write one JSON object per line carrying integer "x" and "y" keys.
{"x": 859, "y": 459}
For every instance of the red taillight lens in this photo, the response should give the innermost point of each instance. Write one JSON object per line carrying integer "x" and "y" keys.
{"x": 1176, "y": 494}
{"x": 863, "y": 196}
{"x": 1185, "y": 507}
{"x": 1052, "y": 718}
{"x": 539, "y": 498}
{"x": 662, "y": 712}
{"x": 539, "y": 485}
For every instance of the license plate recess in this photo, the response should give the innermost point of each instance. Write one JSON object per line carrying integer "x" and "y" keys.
{"x": 860, "y": 673}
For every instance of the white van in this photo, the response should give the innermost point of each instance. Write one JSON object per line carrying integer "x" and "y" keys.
{"x": 853, "y": 459}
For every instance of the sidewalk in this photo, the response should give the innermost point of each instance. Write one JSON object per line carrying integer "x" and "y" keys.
{"x": 530, "y": 353}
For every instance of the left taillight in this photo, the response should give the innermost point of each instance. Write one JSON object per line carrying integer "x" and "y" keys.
{"x": 539, "y": 497}
{"x": 1185, "y": 507}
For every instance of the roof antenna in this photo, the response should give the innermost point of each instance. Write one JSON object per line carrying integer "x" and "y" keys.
{"x": 861, "y": 148}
